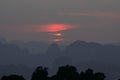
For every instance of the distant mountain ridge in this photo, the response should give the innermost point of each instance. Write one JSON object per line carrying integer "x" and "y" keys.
{"x": 77, "y": 53}
{"x": 33, "y": 47}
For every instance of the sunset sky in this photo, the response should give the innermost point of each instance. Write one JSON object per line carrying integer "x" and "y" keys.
{"x": 60, "y": 20}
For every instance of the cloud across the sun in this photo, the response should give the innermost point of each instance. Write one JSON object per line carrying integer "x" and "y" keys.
{"x": 57, "y": 40}
{"x": 46, "y": 28}
{"x": 56, "y": 27}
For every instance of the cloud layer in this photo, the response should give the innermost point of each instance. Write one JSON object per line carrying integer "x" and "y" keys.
{"x": 18, "y": 17}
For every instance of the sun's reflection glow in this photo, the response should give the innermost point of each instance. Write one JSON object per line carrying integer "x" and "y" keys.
{"x": 58, "y": 35}
{"x": 58, "y": 40}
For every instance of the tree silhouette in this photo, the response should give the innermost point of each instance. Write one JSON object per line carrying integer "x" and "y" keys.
{"x": 12, "y": 77}
{"x": 87, "y": 75}
{"x": 67, "y": 73}
{"x": 81, "y": 76}
{"x": 99, "y": 76}
{"x": 40, "y": 74}
{"x": 90, "y": 75}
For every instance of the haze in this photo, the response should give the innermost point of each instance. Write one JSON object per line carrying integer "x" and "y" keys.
{"x": 91, "y": 20}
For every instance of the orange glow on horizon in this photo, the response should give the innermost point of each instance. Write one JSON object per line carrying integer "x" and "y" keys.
{"x": 53, "y": 28}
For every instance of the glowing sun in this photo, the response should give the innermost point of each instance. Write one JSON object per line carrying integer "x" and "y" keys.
{"x": 53, "y": 27}
{"x": 57, "y": 34}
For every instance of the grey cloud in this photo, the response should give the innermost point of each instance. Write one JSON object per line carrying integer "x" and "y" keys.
{"x": 19, "y": 13}
{"x": 16, "y": 12}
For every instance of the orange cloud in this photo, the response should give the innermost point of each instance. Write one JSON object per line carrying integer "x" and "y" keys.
{"x": 52, "y": 27}
{"x": 94, "y": 14}
{"x": 58, "y": 40}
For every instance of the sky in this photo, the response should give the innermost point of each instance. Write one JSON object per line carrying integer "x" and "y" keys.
{"x": 60, "y": 20}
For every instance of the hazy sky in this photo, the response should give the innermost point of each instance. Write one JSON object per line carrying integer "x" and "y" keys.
{"x": 67, "y": 20}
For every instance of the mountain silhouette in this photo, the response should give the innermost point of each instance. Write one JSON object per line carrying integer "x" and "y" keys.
{"x": 75, "y": 53}
{"x": 53, "y": 49}
{"x": 3, "y": 40}
{"x": 34, "y": 47}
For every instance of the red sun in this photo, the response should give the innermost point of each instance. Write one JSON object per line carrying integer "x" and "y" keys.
{"x": 53, "y": 27}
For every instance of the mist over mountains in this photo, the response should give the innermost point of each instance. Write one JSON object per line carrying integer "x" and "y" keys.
{"x": 101, "y": 57}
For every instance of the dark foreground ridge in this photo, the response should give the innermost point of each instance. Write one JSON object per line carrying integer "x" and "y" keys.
{"x": 67, "y": 72}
